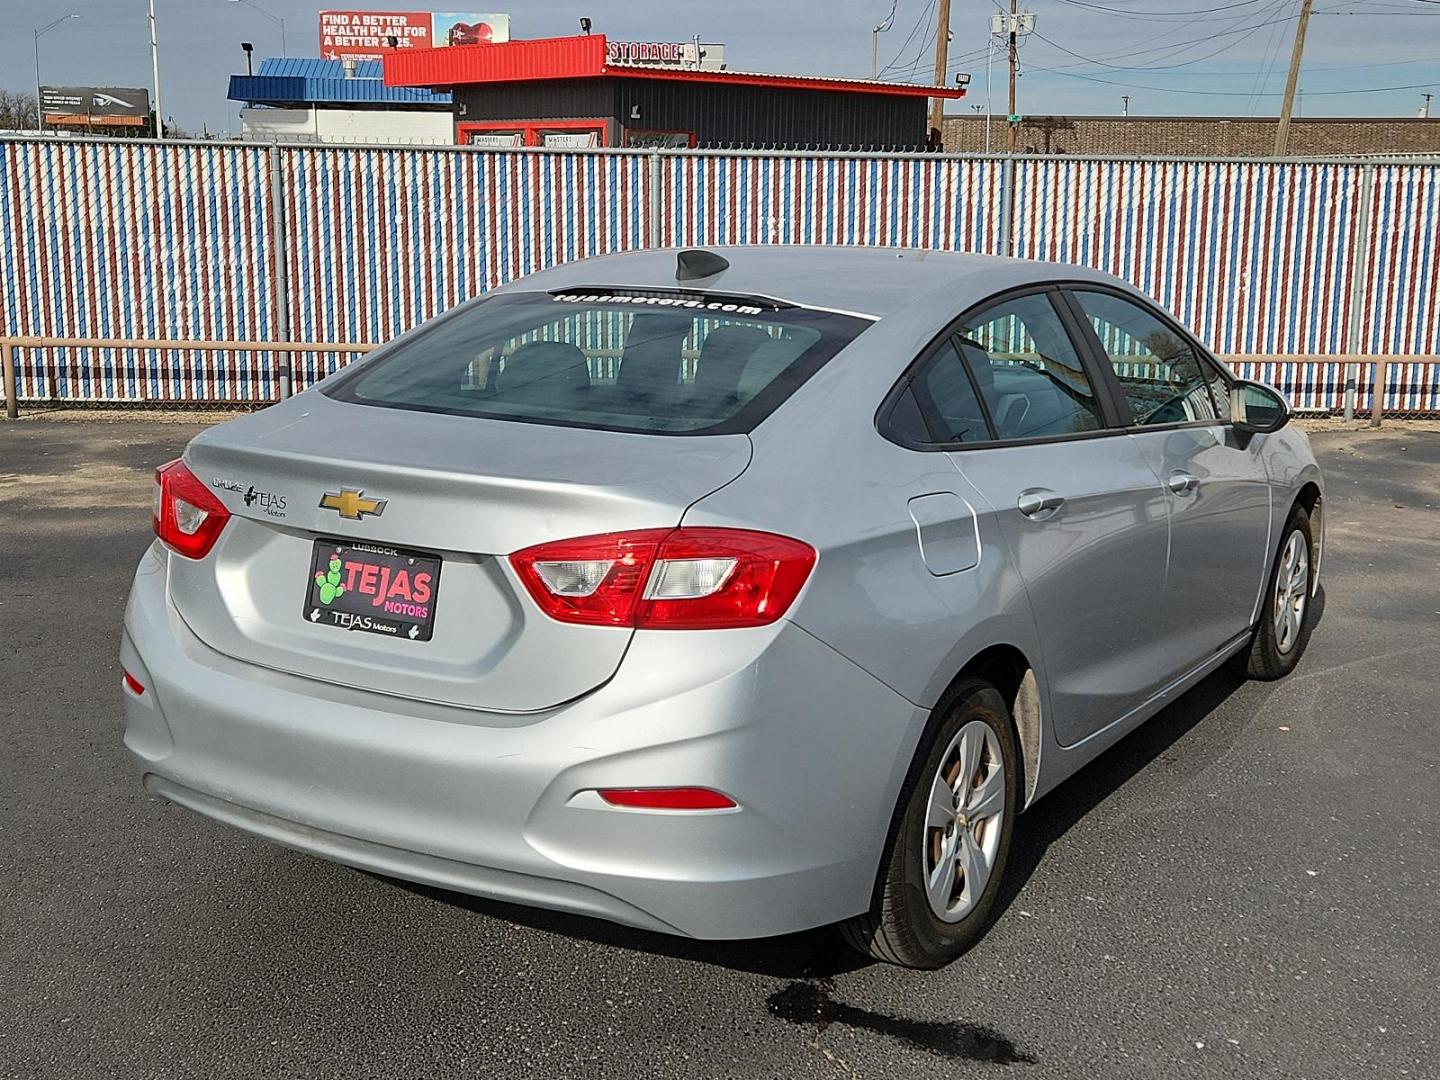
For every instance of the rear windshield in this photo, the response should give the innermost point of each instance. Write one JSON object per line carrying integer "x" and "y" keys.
{"x": 623, "y": 361}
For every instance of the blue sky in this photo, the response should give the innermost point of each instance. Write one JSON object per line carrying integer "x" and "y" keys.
{"x": 1171, "y": 56}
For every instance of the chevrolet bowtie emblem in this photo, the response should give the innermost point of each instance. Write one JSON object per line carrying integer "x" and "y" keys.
{"x": 351, "y": 503}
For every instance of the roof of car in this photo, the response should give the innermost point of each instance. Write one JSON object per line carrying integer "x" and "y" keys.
{"x": 871, "y": 281}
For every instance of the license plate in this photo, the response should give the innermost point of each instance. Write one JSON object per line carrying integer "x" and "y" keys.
{"x": 373, "y": 589}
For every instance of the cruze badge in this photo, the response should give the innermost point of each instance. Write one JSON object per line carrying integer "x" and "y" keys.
{"x": 351, "y": 503}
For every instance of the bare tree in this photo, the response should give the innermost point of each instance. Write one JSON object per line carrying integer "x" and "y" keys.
{"x": 17, "y": 110}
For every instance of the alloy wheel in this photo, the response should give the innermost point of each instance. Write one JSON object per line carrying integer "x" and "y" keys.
{"x": 1292, "y": 592}
{"x": 963, "y": 821}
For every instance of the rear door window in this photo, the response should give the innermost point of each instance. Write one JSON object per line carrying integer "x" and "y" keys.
{"x": 1027, "y": 370}
{"x": 1163, "y": 379}
{"x": 622, "y": 361}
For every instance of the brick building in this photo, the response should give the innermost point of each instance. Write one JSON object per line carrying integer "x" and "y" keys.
{"x": 1198, "y": 136}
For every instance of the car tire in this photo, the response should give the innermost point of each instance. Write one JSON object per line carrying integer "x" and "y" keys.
{"x": 1278, "y": 643}
{"x": 971, "y": 736}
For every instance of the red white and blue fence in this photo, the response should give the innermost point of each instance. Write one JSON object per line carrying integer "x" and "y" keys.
{"x": 1295, "y": 260}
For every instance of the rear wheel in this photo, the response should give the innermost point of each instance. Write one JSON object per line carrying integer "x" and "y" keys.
{"x": 1284, "y": 629}
{"x": 951, "y": 836}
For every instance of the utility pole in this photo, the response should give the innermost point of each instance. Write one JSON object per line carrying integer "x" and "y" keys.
{"x": 942, "y": 60}
{"x": 1282, "y": 132}
{"x": 1425, "y": 110}
{"x": 1126, "y": 110}
{"x": 1014, "y": 28}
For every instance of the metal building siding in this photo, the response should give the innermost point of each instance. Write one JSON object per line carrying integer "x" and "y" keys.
{"x": 552, "y": 100}
{"x": 718, "y": 115}
{"x": 542, "y": 58}
{"x": 752, "y": 116}
{"x": 310, "y": 67}
{"x": 308, "y": 79}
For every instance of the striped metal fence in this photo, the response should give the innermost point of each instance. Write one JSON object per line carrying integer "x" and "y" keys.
{"x": 1282, "y": 259}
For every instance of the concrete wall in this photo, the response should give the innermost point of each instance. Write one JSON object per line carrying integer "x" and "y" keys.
{"x": 1197, "y": 136}
{"x": 407, "y": 127}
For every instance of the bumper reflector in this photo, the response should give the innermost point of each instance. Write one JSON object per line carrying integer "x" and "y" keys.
{"x": 678, "y": 798}
{"x": 133, "y": 684}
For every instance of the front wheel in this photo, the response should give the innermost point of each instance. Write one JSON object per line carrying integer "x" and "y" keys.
{"x": 948, "y": 845}
{"x": 1284, "y": 630}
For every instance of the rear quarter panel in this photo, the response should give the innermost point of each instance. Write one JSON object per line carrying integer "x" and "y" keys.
{"x": 821, "y": 472}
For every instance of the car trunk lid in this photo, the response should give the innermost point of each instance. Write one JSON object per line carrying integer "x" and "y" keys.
{"x": 466, "y": 490}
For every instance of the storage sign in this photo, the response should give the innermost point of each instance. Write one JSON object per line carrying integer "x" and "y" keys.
{"x": 711, "y": 56}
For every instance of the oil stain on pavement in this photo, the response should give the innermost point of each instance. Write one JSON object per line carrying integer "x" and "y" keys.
{"x": 811, "y": 1003}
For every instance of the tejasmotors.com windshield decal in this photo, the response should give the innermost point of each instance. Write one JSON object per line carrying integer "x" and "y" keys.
{"x": 682, "y": 302}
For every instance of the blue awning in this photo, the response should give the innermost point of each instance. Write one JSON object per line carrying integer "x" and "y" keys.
{"x": 292, "y": 81}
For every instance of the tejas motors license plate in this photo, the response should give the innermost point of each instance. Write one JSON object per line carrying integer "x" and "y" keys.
{"x": 375, "y": 589}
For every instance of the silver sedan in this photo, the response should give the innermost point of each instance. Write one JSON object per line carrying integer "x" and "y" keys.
{"x": 724, "y": 593}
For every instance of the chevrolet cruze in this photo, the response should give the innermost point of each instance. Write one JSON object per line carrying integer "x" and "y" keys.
{"x": 723, "y": 593}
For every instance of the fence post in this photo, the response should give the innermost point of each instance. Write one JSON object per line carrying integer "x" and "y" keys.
{"x": 12, "y": 386}
{"x": 1377, "y": 390}
{"x": 280, "y": 275}
{"x": 1359, "y": 257}
{"x": 653, "y": 179}
{"x": 1007, "y": 206}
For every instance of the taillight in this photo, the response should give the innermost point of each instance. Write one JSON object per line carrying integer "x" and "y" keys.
{"x": 187, "y": 515}
{"x": 667, "y": 579}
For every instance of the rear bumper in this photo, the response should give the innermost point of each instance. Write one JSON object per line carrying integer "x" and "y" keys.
{"x": 811, "y": 747}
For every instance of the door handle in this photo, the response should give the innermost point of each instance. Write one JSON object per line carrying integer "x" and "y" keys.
{"x": 1039, "y": 503}
{"x": 1182, "y": 483}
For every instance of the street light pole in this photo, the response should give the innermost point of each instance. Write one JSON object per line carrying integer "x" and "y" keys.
{"x": 875, "y": 32}
{"x": 39, "y": 110}
{"x": 155, "y": 69}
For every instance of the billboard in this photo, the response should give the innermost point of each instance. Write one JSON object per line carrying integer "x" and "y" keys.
{"x": 118, "y": 106}
{"x": 366, "y": 35}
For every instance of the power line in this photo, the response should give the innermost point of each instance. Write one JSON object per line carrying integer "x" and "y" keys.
{"x": 1249, "y": 32}
{"x": 1172, "y": 48}
{"x": 1134, "y": 13}
{"x": 955, "y": 64}
{"x": 1262, "y": 75}
{"x": 924, "y": 18}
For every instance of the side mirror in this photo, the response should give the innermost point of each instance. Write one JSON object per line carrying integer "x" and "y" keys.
{"x": 1258, "y": 408}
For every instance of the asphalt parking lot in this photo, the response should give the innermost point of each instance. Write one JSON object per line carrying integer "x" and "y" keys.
{"x": 1245, "y": 888}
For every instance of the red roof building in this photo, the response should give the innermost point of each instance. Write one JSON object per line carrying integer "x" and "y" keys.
{"x": 568, "y": 92}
